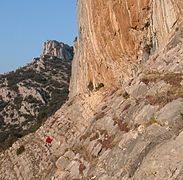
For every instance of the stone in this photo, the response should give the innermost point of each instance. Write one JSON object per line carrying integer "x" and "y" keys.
{"x": 171, "y": 114}
{"x": 145, "y": 114}
{"x": 138, "y": 90}
{"x": 69, "y": 154}
{"x": 74, "y": 170}
{"x": 159, "y": 87}
{"x": 164, "y": 162}
{"x": 127, "y": 137}
{"x": 62, "y": 163}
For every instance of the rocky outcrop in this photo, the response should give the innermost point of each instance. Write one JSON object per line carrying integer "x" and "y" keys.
{"x": 124, "y": 116}
{"x": 57, "y": 49}
{"x": 132, "y": 132}
{"x": 31, "y": 94}
{"x": 114, "y": 37}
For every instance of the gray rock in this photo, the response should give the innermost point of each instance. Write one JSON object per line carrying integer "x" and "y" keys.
{"x": 62, "y": 163}
{"x": 74, "y": 169}
{"x": 138, "y": 90}
{"x": 159, "y": 87}
{"x": 171, "y": 114}
{"x": 145, "y": 114}
{"x": 69, "y": 155}
{"x": 164, "y": 162}
{"x": 57, "y": 49}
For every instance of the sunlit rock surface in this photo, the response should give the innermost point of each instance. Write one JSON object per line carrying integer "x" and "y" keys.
{"x": 57, "y": 49}
{"x": 114, "y": 37}
{"x": 124, "y": 116}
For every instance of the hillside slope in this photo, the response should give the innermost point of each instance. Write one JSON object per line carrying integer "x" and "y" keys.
{"x": 134, "y": 132}
{"x": 124, "y": 117}
{"x": 32, "y": 93}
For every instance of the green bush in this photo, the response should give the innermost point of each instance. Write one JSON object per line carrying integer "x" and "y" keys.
{"x": 31, "y": 99}
{"x": 18, "y": 101}
{"x": 153, "y": 120}
{"x": 2, "y": 104}
{"x": 20, "y": 150}
{"x": 2, "y": 123}
{"x": 126, "y": 95}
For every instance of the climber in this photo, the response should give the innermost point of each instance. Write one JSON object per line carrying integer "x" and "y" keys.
{"x": 48, "y": 141}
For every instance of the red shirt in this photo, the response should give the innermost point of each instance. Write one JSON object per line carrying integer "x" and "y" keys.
{"x": 48, "y": 139}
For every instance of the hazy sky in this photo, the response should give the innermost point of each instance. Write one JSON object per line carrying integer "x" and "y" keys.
{"x": 26, "y": 24}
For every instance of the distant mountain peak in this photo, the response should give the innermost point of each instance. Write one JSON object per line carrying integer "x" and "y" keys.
{"x": 57, "y": 49}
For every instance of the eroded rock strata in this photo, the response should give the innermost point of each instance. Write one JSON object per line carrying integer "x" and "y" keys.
{"x": 124, "y": 116}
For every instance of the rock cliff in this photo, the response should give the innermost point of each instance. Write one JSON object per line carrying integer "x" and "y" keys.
{"x": 115, "y": 36}
{"x": 124, "y": 118}
{"x": 31, "y": 94}
{"x": 57, "y": 49}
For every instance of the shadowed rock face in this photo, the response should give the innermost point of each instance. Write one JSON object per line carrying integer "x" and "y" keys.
{"x": 124, "y": 119}
{"x": 115, "y": 36}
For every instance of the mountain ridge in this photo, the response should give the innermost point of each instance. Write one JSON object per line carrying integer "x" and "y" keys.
{"x": 26, "y": 96}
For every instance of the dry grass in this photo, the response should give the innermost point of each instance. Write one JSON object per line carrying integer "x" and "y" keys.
{"x": 80, "y": 149}
{"x": 153, "y": 120}
{"x": 82, "y": 167}
{"x": 108, "y": 140}
{"x": 126, "y": 95}
{"x": 174, "y": 92}
{"x": 126, "y": 107}
{"x": 123, "y": 126}
{"x": 107, "y": 143}
{"x": 166, "y": 97}
{"x": 96, "y": 136}
{"x": 173, "y": 79}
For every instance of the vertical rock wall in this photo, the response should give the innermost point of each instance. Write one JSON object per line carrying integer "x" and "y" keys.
{"x": 116, "y": 35}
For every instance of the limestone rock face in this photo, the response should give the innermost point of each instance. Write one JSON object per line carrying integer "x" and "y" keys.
{"x": 124, "y": 117}
{"x": 57, "y": 49}
{"x": 114, "y": 37}
{"x": 111, "y": 133}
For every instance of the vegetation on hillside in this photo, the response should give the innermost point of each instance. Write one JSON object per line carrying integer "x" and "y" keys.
{"x": 50, "y": 82}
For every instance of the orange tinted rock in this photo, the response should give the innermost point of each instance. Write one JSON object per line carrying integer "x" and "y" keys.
{"x": 115, "y": 36}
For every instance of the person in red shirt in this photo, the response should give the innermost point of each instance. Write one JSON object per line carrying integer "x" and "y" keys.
{"x": 48, "y": 141}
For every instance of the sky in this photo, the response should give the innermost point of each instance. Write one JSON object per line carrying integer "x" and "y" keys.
{"x": 26, "y": 24}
